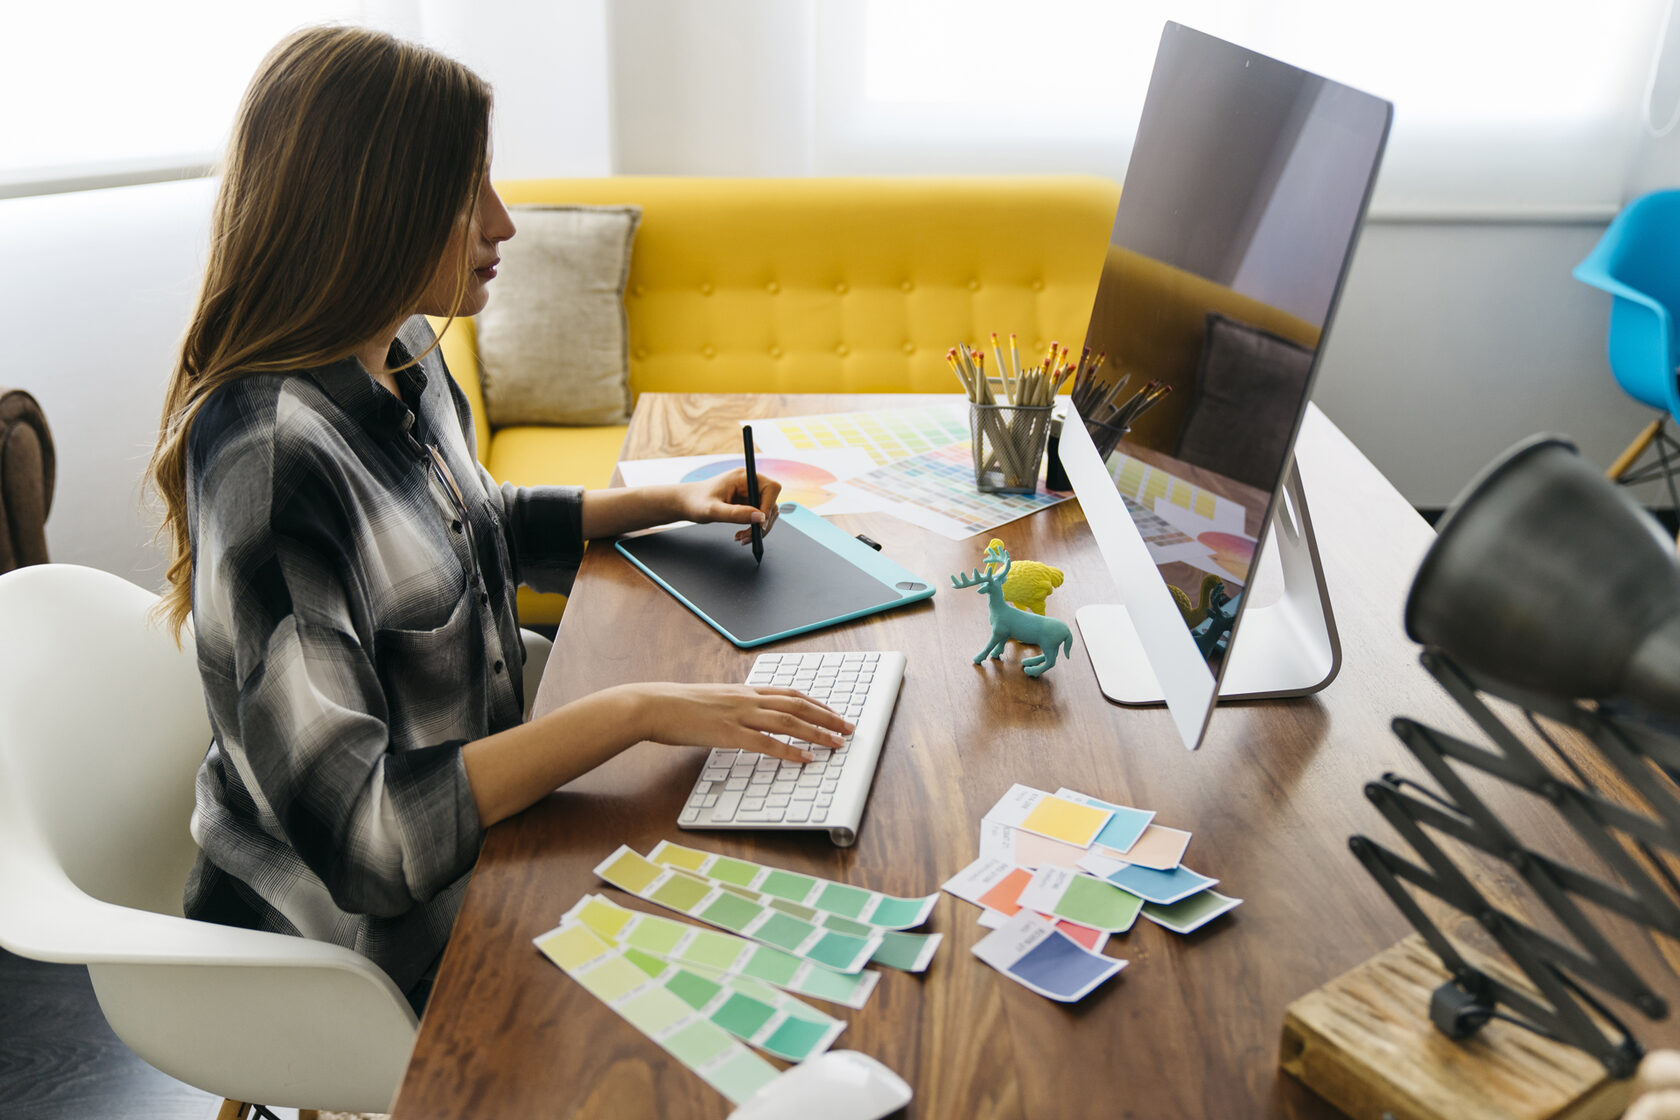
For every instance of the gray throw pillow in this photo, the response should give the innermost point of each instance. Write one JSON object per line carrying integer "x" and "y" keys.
{"x": 1248, "y": 391}
{"x": 553, "y": 345}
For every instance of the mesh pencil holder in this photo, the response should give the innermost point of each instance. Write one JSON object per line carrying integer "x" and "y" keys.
{"x": 1008, "y": 442}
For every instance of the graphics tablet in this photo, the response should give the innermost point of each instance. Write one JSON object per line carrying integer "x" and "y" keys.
{"x": 813, "y": 575}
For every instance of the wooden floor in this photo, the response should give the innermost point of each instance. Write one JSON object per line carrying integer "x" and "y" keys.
{"x": 59, "y": 1060}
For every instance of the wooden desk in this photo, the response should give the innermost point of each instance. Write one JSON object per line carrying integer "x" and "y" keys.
{"x": 1189, "y": 1030}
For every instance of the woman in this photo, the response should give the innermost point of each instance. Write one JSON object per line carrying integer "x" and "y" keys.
{"x": 349, "y": 567}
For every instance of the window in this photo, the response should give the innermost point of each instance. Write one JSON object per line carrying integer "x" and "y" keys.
{"x": 1500, "y": 105}
{"x": 116, "y": 90}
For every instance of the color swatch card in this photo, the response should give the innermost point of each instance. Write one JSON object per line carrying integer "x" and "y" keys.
{"x": 1159, "y": 847}
{"x": 977, "y": 882}
{"x": 885, "y": 910}
{"x": 1092, "y": 939}
{"x": 683, "y": 892}
{"x": 1024, "y": 849}
{"x": 710, "y": 951}
{"x": 995, "y": 886}
{"x": 885, "y": 433}
{"x": 910, "y": 952}
{"x": 1045, "y": 814}
{"x": 936, "y": 491}
{"x": 689, "y": 1036}
{"x": 1160, "y": 887}
{"x": 756, "y": 1014}
{"x": 1193, "y": 913}
{"x": 1032, "y": 952}
{"x": 1123, "y": 829}
{"x": 1061, "y": 893}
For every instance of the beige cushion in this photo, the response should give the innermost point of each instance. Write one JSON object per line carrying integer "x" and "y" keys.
{"x": 552, "y": 342}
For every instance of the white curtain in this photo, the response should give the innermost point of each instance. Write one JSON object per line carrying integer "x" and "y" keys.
{"x": 1502, "y": 107}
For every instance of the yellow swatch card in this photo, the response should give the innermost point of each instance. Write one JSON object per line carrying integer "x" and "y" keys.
{"x": 1045, "y": 814}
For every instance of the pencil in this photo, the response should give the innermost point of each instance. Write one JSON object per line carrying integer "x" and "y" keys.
{"x": 1003, "y": 370}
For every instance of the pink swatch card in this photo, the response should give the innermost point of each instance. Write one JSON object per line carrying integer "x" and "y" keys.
{"x": 1024, "y": 849}
{"x": 1159, "y": 848}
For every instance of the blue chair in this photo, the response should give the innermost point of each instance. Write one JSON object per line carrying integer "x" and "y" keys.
{"x": 1638, "y": 262}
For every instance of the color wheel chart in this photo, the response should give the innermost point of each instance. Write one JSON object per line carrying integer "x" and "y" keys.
{"x": 805, "y": 483}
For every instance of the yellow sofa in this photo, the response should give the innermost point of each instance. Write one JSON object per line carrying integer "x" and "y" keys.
{"x": 855, "y": 285}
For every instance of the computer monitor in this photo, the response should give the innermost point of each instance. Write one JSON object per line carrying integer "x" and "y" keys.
{"x": 1243, "y": 199}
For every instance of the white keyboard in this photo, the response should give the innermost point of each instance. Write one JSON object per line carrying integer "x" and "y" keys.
{"x": 745, "y": 789}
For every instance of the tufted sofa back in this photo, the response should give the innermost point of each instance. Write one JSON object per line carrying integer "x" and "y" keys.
{"x": 840, "y": 285}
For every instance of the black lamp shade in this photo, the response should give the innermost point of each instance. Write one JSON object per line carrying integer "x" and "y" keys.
{"x": 1548, "y": 577}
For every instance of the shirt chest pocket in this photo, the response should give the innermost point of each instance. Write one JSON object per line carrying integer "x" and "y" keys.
{"x": 433, "y": 678}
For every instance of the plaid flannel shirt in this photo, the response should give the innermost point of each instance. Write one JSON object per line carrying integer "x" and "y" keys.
{"x": 353, "y": 605}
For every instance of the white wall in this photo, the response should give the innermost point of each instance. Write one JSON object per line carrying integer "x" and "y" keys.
{"x": 1453, "y": 341}
{"x": 97, "y": 286}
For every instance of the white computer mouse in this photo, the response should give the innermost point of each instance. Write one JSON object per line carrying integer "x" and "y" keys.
{"x": 838, "y": 1085}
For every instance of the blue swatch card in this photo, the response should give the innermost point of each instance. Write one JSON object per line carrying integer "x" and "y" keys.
{"x": 1160, "y": 887}
{"x": 1123, "y": 829}
{"x": 1031, "y": 951}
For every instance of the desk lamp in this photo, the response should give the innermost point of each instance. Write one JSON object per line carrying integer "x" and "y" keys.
{"x": 1547, "y": 588}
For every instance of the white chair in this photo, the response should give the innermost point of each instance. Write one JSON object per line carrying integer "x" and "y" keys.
{"x": 102, "y": 728}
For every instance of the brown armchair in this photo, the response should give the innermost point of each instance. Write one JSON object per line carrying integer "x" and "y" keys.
{"x": 26, "y": 480}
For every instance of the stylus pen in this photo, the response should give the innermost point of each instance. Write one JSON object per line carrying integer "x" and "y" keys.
{"x": 752, "y": 492}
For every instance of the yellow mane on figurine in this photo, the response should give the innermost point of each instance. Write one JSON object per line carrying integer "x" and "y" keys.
{"x": 1029, "y": 582}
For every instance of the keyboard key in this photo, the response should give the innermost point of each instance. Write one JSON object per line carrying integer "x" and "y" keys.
{"x": 735, "y": 785}
{"x": 689, "y": 816}
{"x": 798, "y": 812}
{"x": 758, "y": 816}
{"x": 749, "y": 802}
{"x": 727, "y": 802}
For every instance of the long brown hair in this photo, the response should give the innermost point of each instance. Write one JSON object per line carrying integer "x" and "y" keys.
{"x": 353, "y": 158}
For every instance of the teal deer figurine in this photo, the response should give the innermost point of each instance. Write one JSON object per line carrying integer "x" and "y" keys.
{"x": 1050, "y": 635}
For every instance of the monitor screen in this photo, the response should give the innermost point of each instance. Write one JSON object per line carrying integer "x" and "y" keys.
{"x": 1244, "y": 196}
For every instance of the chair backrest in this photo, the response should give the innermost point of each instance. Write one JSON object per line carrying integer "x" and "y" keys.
{"x": 102, "y": 728}
{"x": 1638, "y": 262}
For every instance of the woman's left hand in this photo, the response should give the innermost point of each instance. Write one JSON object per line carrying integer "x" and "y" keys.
{"x": 724, "y": 498}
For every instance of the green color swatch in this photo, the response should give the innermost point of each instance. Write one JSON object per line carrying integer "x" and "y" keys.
{"x": 680, "y": 893}
{"x": 713, "y": 950}
{"x": 785, "y": 884}
{"x": 795, "y": 1036}
{"x": 783, "y": 932}
{"x": 698, "y": 1043}
{"x": 773, "y": 966}
{"x": 841, "y": 899}
{"x": 839, "y": 951}
{"x": 1100, "y": 905}
{"x": 731, "y": 912}
{"x": 654, "y": 1010}
{"x": 692, "y": 989}
{"x": 898, "y": 913}
{"x": 656, "y": 937}
{"x": 733, "y": 871}
{"x": 743, "y": 1017}
{"x": 742, "y": 1076}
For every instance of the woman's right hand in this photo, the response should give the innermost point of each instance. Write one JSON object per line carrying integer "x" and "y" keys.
{"x": 738, "y": 717}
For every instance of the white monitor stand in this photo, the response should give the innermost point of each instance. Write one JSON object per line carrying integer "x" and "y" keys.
{"x": 1143, "y": 652}
{"x": 1288, "y": 647}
